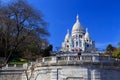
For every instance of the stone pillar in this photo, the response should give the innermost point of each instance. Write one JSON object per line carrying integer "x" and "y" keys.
{"x": 14, "y": 65}
{"x": 68, "y": 58}
{"x": 95, "y": 75}
{"x": 6, "y": 65}
{"x": 80, "y": 58}
{"x": 54, "y": 59}
{"x": 43, "y": 59}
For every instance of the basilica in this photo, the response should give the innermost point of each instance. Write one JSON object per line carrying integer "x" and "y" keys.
{"x": 78, "y": 40}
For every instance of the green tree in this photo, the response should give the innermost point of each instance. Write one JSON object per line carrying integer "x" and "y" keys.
{"x": 119, "y": 44}
{"x": 46, "y": 52}
{"x": 116, "y": 53}
{"x": 110, "y": 49}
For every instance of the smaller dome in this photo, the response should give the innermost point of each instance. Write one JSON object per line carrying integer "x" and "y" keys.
{"x": 67, "y": 37}
{"x": 87, "y": 36}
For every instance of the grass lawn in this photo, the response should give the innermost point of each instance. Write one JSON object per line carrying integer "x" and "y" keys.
{"x": 17, "y": 62}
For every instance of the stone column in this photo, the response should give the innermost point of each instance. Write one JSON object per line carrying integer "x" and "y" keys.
{"x": 43, "y": 59}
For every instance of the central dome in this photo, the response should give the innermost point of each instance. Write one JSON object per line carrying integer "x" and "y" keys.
{"x": 77, "y": 27}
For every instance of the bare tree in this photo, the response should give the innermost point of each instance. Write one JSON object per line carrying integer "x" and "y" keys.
{"x": 21, "y": 26}
{"x": 29, "y": 70}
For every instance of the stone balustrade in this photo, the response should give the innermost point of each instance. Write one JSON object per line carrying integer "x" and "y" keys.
{"x": 12, "y": 66}
{"x": 63, "y": 67}
{"x": 17, "y": 66}
{"x": 84, "y": 58}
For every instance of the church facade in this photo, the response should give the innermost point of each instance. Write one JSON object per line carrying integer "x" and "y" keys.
{"x": 79, "y": 40}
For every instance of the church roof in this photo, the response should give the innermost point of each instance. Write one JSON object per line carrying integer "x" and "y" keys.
{"x": 77, "y": 27}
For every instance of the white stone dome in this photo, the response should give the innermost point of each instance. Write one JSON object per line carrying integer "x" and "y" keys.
{"x": 87, "y": 36}
{"x": 77, "y": 27}
{"x": 67, "y": 37}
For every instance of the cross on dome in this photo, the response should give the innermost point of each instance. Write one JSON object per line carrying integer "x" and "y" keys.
{"x": 87, "y": 30}
{"x": 77, "y": 18}
{"x": 68, "y": 31}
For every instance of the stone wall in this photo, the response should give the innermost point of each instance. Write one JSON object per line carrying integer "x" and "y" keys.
{"x": 70, "y": 72}
{"x": 77, "y": 73}
{"x": 11, "y": 76}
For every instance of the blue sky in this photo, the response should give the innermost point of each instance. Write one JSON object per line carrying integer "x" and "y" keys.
{"x": 101, "y": 17}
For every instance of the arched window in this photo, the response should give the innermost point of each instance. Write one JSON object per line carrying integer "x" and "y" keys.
{"x": 67, "y": 46}
{"x": 76, "y": 43}
{"x": 87, "y": 45}
{"x": 73, "y": 45}
{"x": 67, "y": 40}
{"x": 87, "y": 40}
{"x": 80, "y": 36}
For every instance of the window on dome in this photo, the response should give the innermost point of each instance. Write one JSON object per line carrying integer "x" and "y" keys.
{"x": 73, "y": 45}
{"x": 87, "y": 45}
{"x": 67, "y": 40}
{"x": 67, "y": 46}
{"x": 80, "y": 36}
